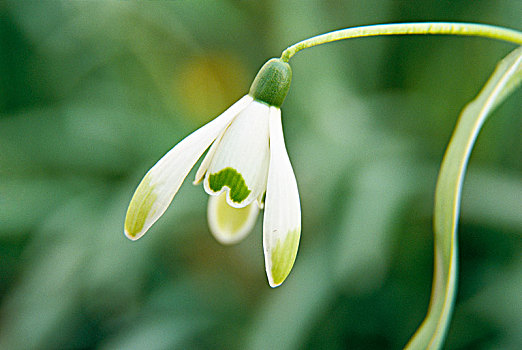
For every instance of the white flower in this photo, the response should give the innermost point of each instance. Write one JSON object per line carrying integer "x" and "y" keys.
{"x": 246, "y": 168}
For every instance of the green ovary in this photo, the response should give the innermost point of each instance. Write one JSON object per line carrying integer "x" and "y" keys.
{"x": 233, "y": 180}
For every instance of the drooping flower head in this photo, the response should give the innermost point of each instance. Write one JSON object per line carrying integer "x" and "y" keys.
{"x": 246, "y": 169}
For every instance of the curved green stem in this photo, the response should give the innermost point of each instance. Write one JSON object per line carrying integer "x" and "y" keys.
{"x": 504, "y": 80}
{"x": 432, "y": 28}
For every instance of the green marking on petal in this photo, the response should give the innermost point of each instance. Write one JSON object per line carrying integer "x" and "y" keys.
{"x": 233, "y": 180}
{"x": 140, "y": 207}
{"x": 283, "y": 256}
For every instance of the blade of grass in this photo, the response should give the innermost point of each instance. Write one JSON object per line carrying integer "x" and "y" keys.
{"x": 504, "y": 80}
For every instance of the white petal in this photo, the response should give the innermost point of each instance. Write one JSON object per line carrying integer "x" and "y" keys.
{"x": 160, "y": 184}
{"x": 240, "y": 162}
{"x": 230, "y": 225}
{"x": 282, "y": 220}
{"x": 202, "y": 170}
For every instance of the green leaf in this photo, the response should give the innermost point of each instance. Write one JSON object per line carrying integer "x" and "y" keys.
{"x": 504, "y": 80}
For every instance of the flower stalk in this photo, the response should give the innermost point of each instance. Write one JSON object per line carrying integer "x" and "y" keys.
{"x": 424, "y": 28}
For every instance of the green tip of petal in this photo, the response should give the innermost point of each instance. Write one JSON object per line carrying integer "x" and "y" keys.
{"x": 283, "y": 258}
{"x": 272, "y": 83}
{"x": 238, "y": 190}
{"x": 139, "y": 209}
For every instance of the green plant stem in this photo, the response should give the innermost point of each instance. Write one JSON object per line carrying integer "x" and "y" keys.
{"x": 431, "y": 28}
{"x": 506, "y": 78}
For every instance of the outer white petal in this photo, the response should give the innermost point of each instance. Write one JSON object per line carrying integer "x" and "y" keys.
{"x": 282, "y": 220}
{"x": 240, "y": 162}
{"x": 160, "y": 184}
{"x": 230, "y": 225}
{"x": 202, "y": 170}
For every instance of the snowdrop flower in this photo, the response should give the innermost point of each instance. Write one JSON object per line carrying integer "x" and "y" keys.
{"x": 246, "y": 168}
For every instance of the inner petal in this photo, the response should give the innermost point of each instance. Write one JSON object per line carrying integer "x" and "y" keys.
{"x": 240, "y": 163}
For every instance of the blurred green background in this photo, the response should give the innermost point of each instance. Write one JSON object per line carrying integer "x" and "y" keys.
{"x": 92, "y": 94}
